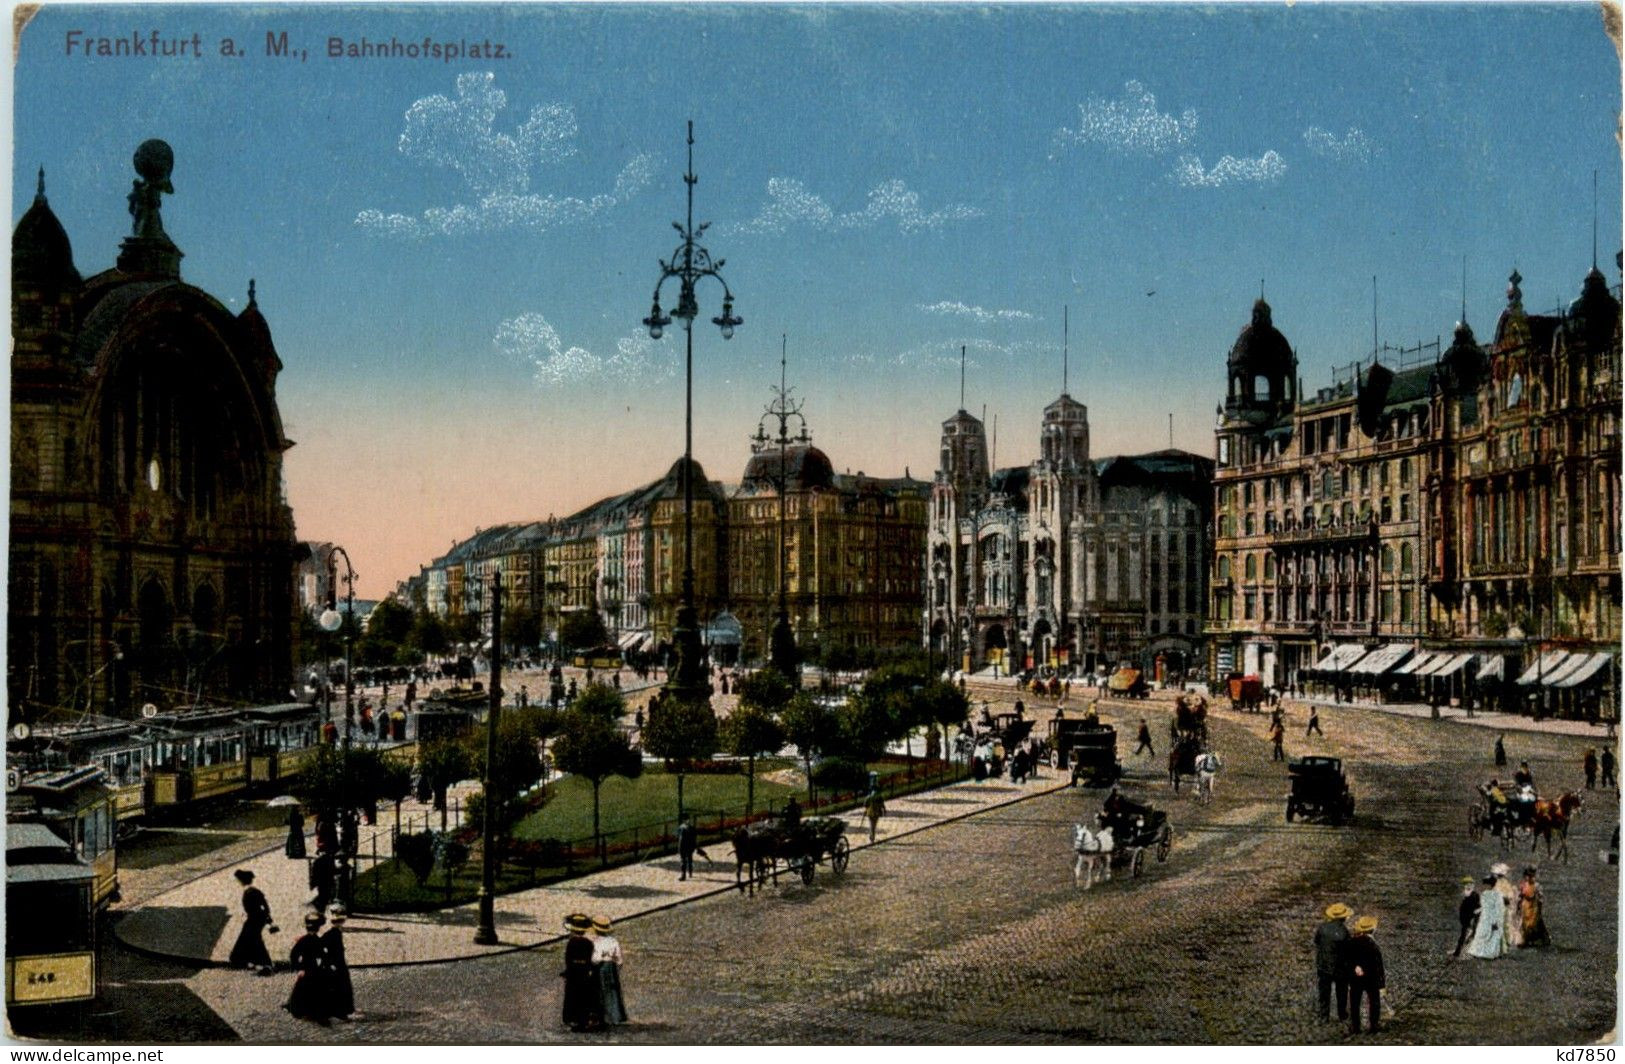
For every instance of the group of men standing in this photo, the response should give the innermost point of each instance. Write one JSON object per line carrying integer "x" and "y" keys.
{"x": 1348, "y": 966}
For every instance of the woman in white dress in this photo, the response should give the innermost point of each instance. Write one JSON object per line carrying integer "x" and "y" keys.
{"x": 1489, "y": 940}
{"x": 1509, "y": 904}
{"x": 606, "y": 955}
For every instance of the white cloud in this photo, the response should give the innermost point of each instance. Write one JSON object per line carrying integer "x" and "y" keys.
{"x": 532, "y": 339}
{"x": 790, "y": 205}
{"x": 1353, "y": 146}
{"x": 1130, "y": 124}
{"x": 982, "y": 315}
{"x": 496, "y": 167}
{"x": 1229, "y": 170}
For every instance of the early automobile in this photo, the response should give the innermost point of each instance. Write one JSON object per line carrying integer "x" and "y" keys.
{"x": 1319, "y": 789}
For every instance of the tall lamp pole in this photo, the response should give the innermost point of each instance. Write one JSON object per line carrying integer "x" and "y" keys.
{"x": 486, "y": 933}
{"x": 782, "y": 639}
{"x": 689, "y": 263}
{"x": 331, "y": 621}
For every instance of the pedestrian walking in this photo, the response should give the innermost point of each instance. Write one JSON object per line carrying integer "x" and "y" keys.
{"x": 323, "y": 876}
{"x": 524, "y": 696}
{"x": 1314, "y": 723}
{"x": 1500, "y": 751}
{"x": 1511, "y": 926}
{"x": 1145, "y": 739}
{"x": 1489, "y": 936}
{"x": 339, "y": 991}
{"x": 1277, "y": 734}
{"x": 1589, "y": 765}
{"x": 295, "y": 846}
{"x": 874, "y": 807}
{"x": 411, "y": 693}
{"x": 1330, "y": 938}
{"x": 1367, "y": 980}
{"x": 308, "y": 1000}
{"x": 583, "y": 1004}
{"x": 1467, "y": 913}
{"x": 607, "y": 956}
{"x": 249, "y": 950}
{"x": 1532, "y": 911}
{"x": 327, "y": 834}
{"x": 687, "y": 843}
{"x": 1608, "y": 767}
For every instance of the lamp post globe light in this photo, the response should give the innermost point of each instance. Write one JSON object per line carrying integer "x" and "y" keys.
{"x": 689, "y": 264}
{"x": 331, "y": 621}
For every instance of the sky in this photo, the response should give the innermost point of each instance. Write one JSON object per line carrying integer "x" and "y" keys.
{"x": 455, "y": 250}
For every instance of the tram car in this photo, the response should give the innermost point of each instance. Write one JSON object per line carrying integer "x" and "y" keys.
{"x": 50, "y": 954}
{"x": 120, "y": 749}
{"x": 281, "y": 741}
{"x": 75, "y": 804}
{"x": 198, "y": 754}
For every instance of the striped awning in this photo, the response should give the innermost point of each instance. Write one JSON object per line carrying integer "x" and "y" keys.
{"x": 1456, "y": 663}
{"x": 1492, "y": 667}
{"x": 1381, "y": 660}
{"x": 1421, "y": 661}
{"x": 1341, "y": 658}
{"x": 1543, "y": 666}
{"x": 1592, "y": 666}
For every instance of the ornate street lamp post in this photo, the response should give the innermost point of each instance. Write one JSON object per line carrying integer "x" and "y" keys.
{"x": 486, "y": 933}
{"x": 688, "y": 264}
{"x": 782, "y": 639}
{"x": 331, "y": 621}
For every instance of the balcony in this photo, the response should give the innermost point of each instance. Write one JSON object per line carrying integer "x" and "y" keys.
{"x": 1323, "y": 534}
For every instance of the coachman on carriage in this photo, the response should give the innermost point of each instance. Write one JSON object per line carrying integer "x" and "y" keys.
{"x": 760, "y": 847}
{"x": 1190, "y": 717}
{"x": 1135, "y": 828}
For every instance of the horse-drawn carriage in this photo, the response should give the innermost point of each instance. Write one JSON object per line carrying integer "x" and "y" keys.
{"x": 1088, "y": 749}
{"x": 1190, "y": 717}
{"x": 1246, "y": 692}
{"x": 1522, "y": 814}
{"x": 801, "y": 846}
{"x": 1135, "y": 828}
{"x": 1128, "y": 683}
{"x": 1319, "y": 789}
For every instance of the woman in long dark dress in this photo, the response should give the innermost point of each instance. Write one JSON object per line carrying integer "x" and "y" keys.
{"x": 583, "y": 1004}
{"x": 340, "y": 991}
{"x": 249, "y": 950}
{"x": 295, "y": 847}
{"x": 308, "y": 998}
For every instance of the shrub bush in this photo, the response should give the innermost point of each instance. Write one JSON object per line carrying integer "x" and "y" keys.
{"x": 841, "y": 774}
{"x": 416, "y": 852}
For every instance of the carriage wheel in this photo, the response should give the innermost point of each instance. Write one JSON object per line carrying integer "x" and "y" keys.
{"x": 840, "y": 854}
{"x": 1165, "y": 842}
{"x": 1139, "y": 862}
{"x": 807, "y": 869}
{"x": 1475, "y": 823}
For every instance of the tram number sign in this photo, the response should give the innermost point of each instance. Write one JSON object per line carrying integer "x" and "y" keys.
{"x": 14, "y": 779}
{"x": 51, "y": 978}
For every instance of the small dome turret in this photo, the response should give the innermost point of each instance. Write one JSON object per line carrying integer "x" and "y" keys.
{"x": 41, "y": 255}
{"x": 1592, "y": 317}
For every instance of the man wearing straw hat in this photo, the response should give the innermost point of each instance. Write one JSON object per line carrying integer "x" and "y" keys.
{"x": 1363, "y": 960}
{"x": 1330, "y": 938}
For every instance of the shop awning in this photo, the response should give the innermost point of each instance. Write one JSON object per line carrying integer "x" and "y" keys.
{"x": 1492, "y": 667}
{"x": 1592, "y": 666}
{"x": 1342, "y": 656}
{"x": 1381, "y": 660}
{"x": 1456, "y": 663}
{"x": 1543, "y": 666}
{"x": 632, "y": 640}
{"x": 1415, "y": 665}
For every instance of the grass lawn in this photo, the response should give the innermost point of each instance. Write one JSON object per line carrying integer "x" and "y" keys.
{"x": 649, "y": 801}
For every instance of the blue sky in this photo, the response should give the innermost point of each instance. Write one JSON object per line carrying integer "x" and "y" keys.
{"x": 455, "y": 257}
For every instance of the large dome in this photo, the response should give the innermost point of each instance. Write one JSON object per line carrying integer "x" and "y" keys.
{"x": 1260, "y": 347}
{"x": 41, "y": 256}
{"x": 806, "y": 468}
{"x": 1594, "y": 314}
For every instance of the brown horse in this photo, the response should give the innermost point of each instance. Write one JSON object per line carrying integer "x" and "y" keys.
{"x": 1553, "y": 817}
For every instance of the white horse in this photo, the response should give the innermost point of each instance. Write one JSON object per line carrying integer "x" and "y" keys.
{"x": 1207, "y": 768}
{"x": 1094, "y": 853}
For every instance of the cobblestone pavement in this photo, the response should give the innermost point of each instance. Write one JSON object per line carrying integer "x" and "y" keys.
{"x": 974, "y": 932}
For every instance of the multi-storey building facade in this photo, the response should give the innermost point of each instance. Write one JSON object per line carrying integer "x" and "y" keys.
{"x": 1460, "y": 516}
{"x": 152, "y": 550}
{"x": 851, "y": 550}
{"x": 1067, "y": 561}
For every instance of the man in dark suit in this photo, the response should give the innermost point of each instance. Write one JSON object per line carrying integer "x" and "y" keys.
{"x": 1363, "y": 960}
{"x": 1330, "y": 938}
{"x": 687, "y": 843}
{"x": 1467, "y": 912}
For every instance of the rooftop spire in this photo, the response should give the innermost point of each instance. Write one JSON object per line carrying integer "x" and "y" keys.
{"x": 1593, "y": 219}
{"x": 1464, "y": 289}
{"x": 1065, "y": 330}
{"x": 251, "y": 292}
{"x": 961, "y": 377}
{"x": 40, "y": 194}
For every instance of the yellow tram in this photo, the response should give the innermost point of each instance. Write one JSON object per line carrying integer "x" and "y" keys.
{"x": 282, "y": 740}
{"x": 50, "y": 952}
{"x": 76, "y": 804}
{"x": 196, "y": 755}
{"x": 119, "y": 748}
